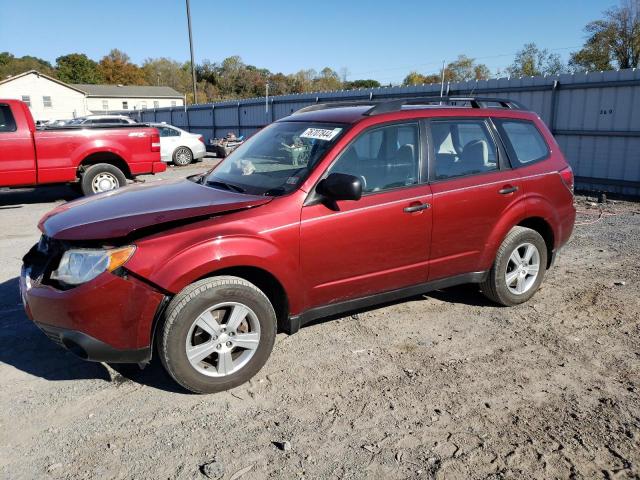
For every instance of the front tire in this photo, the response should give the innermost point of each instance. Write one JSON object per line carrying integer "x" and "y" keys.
{"x": 518, "y": 269}
{"x": 218, "y": 333}
{"x": 182, "y": 156}
{"x": 102, "y": 177}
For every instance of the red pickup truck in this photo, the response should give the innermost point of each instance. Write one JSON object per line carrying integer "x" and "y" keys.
{"x": 98, "y": 159}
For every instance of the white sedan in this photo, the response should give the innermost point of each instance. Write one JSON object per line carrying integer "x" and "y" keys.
{"x": 179, "y": 146}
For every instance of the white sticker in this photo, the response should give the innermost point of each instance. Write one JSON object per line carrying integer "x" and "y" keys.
{"x": 320, "y": 133}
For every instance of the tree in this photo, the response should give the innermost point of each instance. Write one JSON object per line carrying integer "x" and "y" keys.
{"x": 77, "y": 68}
{"x": 11, "y": 65}
{"x": 167, "y": 72}
{"x": 615, "y": 38}
{"x": 327, "y": 80}
{"x": 533, "y": 61}
{"x": 415, "y": 78}
{"x": 465, "y": 68}
{"x": 116, "y": 69}
{"x": 368, "y": 83}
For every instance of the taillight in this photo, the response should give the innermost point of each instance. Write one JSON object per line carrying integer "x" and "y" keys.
{"x": 155, "y": 142}
{"x": 566, "y": 174}
{"x": 201, "y": 138}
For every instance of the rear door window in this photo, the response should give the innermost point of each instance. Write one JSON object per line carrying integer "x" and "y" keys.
{"x": 7, "y": 122}
{"x": 523, "y": 140}
{"x": 462, "y": 147}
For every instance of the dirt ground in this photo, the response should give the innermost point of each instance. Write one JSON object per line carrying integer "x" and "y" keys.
{"x": 444, "y": 385}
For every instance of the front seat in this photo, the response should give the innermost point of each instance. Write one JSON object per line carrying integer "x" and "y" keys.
{"x": 474, "y": 157}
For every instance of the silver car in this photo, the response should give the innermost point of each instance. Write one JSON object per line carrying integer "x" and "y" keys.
{"x": 179, "y": 146}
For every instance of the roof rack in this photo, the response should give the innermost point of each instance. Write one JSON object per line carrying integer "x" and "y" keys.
{"x": 386, "y": 106}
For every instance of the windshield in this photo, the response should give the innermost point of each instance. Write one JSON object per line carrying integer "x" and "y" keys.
{"x": 277, "y": 159}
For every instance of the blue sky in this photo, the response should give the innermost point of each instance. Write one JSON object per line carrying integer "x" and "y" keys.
{"x": 372, "y": 39}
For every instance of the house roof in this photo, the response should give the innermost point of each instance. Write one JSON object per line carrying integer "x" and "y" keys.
{"x": 137, "y": 91}
{"x": 35, "y": 72}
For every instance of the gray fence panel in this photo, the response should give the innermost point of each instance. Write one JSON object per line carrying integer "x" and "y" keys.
{"x": 594, "y": 116}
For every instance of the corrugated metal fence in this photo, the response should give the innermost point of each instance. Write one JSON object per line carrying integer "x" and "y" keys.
{"x": 595, "y": 117}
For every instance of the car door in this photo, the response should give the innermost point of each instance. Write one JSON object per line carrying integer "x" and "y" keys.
{"x": 472, "y": 189}
{"x": 380, "y": 242}
{"x": 17, "y": 155}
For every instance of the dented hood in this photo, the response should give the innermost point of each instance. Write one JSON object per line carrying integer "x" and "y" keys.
{"x": 123, "y": 211}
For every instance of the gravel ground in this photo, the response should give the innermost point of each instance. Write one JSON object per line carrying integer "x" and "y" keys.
{"x": 444, "y": 385}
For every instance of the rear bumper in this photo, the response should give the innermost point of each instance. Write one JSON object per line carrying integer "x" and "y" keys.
{"x": 108, "y": 319}
{"x": 158, "y": 167}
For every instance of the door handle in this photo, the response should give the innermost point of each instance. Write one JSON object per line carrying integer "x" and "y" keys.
{"x": 507, "y": 190}
{"x": 416, "y": 208}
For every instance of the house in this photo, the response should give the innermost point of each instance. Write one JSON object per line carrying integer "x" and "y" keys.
{"x": 104, "y": 98}
{"x": 47, "y": 97}
{"x": 51, "y": 99}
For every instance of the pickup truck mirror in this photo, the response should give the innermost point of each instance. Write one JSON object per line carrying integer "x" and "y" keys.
{"x": 340, "y": 186}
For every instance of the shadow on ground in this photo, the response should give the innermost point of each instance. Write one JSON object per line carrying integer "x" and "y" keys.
{"x": 465, "y": 294}
{"x": 26, "y": 348}
{"x": 10, "y": 198}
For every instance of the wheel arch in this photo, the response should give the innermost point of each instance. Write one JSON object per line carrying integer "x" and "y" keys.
{"x": 266, "y": 282}
{"x": 543, "y": 227}
{"x": 105, "y": 157}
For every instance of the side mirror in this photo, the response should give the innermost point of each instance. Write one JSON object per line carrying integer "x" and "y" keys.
{"x": 340, "y": 186}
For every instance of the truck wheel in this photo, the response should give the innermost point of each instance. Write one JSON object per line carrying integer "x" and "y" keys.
{"x": 217, "y": 334}
{"x": 182, "y": 156}
{"x": 102, "y": 177}
{"x": 518, "y": 269}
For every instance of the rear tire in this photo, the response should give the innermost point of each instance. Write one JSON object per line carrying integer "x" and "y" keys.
{"x": 518, "y": 269}
{"x": 218, "y": 333}
{"x": 102, "y": 177}
{"x": 182, "y": 156}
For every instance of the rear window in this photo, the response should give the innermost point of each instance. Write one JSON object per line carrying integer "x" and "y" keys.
{"x": 524, "y": 141}
{"x": 7, "y": 122}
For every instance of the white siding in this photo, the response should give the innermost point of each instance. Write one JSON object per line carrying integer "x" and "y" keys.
{"x": 65, "y": 102}
{"x": 95, "y": 104}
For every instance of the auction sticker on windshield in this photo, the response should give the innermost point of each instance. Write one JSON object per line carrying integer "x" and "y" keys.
{"x": 320, "y": 133}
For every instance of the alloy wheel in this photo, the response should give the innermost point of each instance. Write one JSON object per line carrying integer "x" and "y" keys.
{"x": 522, "y": 268}
{"x": 223, "y": 339}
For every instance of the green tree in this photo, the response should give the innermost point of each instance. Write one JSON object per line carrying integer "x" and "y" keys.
{"x": 116, "y": 68}
{"x": 415, "y": 78}
{"x": 11, "y": 65}
{"x": 465, "y": 68}
{"x": 368, "y": 83}
{"x": 166, "y": 72}
{"x": 533, "y": 61}
{"x": 77, "y": 68}
{"x": 612, "y": 39}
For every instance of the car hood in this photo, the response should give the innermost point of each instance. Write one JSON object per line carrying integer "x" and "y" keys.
{"x": 123, "y": 211}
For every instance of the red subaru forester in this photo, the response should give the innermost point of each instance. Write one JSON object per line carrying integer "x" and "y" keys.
{"x": 334, "y": 208}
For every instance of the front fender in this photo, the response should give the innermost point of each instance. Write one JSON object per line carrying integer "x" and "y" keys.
{"x": 189, "y": 265}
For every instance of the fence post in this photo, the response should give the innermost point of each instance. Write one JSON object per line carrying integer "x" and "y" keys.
{"x": 213, "y": 121}
{"x": 554, "y": 106}
{"x": 239, "y": 122}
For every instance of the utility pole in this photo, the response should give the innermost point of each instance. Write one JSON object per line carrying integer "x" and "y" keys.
{"x": 441, "y": 82}
{"x": 193, "y": 65}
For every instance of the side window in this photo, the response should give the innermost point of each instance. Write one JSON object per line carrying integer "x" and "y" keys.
{"x": 524, "y": 141}
{"x": 7, "y": 122}
{"x": 383, "y": 158}
{"x": 462, "y": 147}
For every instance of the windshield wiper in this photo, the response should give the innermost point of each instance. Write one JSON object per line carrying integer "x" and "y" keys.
{"x": 274, "y": 192}
{"x": 227, "y": 186}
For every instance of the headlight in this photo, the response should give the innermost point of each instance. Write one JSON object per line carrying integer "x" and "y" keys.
{"x": 79, "y": 265}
